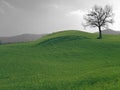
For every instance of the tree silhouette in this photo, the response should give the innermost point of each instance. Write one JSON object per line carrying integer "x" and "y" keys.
{"x": 99, "y": 17}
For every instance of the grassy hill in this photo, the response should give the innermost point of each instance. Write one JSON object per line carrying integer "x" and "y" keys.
{"x": 67, "y": 60}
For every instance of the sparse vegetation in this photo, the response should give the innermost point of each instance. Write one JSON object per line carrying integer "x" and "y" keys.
{"x": 67, "y": 60}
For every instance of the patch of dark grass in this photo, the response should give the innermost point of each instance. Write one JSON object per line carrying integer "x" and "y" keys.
{"x": 62, "y": 39}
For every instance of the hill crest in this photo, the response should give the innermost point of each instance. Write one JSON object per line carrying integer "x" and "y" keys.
{"x": 63, "y": 36}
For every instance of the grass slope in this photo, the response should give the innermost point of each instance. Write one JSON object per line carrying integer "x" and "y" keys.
{"x": 67, "y": 60}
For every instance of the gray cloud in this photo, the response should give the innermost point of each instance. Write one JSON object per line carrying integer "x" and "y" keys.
{"x": 43, "y": 16}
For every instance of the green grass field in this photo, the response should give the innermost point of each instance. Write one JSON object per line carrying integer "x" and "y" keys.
{"x": 67, "y": 60}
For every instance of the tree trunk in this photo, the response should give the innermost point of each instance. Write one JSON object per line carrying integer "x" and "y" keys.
{"x": 100, "y": 33}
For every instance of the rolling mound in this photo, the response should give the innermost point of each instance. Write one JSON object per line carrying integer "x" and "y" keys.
{"x": 61, "y": 39}
{"x": 67, "y": 60}
{"x": 63, "y": 36}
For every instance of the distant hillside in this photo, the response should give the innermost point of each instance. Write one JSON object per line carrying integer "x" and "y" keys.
{"x": 20, "y": 38}
{"x": 110, "y": 31}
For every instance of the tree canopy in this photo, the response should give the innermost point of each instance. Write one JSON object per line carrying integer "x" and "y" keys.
{"x": 99, "y": 17}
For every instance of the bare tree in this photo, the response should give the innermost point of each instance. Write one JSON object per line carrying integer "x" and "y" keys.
{"x": 99, "y": 17}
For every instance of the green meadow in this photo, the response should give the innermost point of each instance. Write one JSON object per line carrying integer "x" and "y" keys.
{"x": 66, "y": 60}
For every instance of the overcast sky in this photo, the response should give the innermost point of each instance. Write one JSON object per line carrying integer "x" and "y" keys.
{"x": 45, "y": 16}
